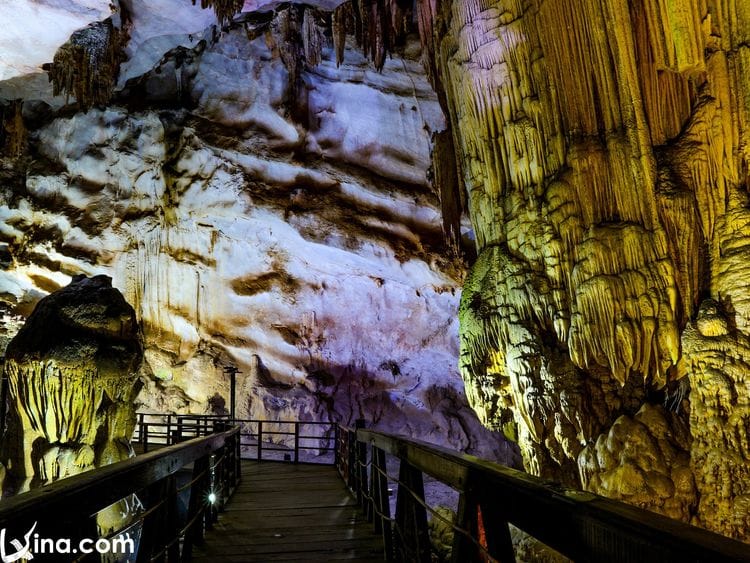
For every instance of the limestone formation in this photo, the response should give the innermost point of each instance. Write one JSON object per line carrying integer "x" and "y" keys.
{"x": 716, "y": 354}
{"x": 643, "y": 460}
{"x": 225, "y": 9}
{"x": 72, "y": 375}
{"x": 603, "y": 146}
{"x": 87, "y": 66}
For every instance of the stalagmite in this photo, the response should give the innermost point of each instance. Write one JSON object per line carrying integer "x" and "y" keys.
{"x": 72, "y": 372}
{"x": 644, "y": 460}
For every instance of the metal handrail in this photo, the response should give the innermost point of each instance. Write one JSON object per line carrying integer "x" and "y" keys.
{"x": 580, "y": 525}
{"x": 173, "y": 428}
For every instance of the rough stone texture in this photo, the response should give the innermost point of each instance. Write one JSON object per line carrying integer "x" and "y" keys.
{"x": 643, "y": 460}
{"x": 717, "y": 355}
{"x": 72, "y": 373}
{"x": 33, "y": 31}
{"x": 256, "y": 216}
{"x": 604, "y": 148}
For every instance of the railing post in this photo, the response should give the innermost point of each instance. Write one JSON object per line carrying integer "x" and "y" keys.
{"x": 145, "y": 437}
{"x": 238, "y": 456}
{"x": 179, "y": 429}
{"x": 260, "y": 440}
{"x": 351, "y": 459}
{"x": 139, "y": 424}
{"x": 336, "y": 446}
{"x": 296, "y": 441}
{"x": 363, "y": 495}
{"x": 215, "y": 485}
{"x": 497, "y": 531}
{"x": 172, "y": 543}
{"x": 228, "y": 470}
{"x": 196, "y": 513}
{"x": 483, "y": 520}
{"x": 412, "y": 538}
{"x": 155, "y": 525}
{"x": 382, "y": 523}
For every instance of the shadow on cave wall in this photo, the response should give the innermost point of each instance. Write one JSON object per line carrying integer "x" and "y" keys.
{"x": 435, "y": 413}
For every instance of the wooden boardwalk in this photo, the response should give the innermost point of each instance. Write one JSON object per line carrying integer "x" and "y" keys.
{"x": 287, "y": 512}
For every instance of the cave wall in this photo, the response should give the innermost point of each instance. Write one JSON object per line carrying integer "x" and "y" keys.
{"x": 251, "y": 212}
{"x": 604, "y": 149}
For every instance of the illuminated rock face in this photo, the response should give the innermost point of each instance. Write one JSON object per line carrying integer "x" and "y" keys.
{"x": 604, "y": 148}
{"x": 72, "y": 372}
{"x": 283, "y": 226}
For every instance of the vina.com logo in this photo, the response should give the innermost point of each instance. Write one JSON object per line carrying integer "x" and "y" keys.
{"x": 34, "y": 544}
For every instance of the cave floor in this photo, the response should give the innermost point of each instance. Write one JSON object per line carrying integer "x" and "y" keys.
{"x": 287, "y": 512}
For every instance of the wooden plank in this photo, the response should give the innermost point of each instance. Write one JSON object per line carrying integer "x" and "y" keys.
{"x": 286, "y": 512}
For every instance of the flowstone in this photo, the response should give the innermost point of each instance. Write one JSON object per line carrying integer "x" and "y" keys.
{"x": 72, "y": 377}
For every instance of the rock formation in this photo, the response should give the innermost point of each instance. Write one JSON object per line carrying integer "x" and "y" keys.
{"x": 72, "y": 371}
{"x": 88, "y": 65}
{"x": 603, "y": 146}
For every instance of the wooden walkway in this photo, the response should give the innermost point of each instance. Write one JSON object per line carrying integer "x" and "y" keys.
{"x": 287, "y": 512}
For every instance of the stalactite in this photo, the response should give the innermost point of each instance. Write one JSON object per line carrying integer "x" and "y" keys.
{"x": 225, "y": 10}
{"x": 379, "y": 27}
{"x": 13, "y": 133}
{"x": 342, "y": 19}
{"x": 449, "y": 187}
{"x": 286, "y": 30}
{"x": 426, "y": 17}
{"x": 380, "y": 38}
{"x": 87, "y": 66}
{"x": 313, "y": 37}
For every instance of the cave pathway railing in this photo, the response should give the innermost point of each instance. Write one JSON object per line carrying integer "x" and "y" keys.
{"x": 179, "y": 490}
{"x": 262, "y": 440}
{"x": 580, "y": 525}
